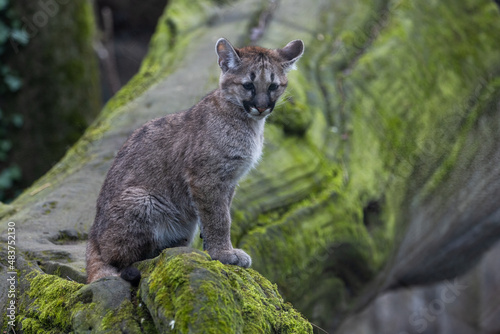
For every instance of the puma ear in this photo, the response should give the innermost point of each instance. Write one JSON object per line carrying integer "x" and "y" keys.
{"x": 228, "y": 56}
{"x": 291, "y": 53}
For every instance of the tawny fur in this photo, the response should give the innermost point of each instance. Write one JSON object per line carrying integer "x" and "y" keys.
{"x": 180, "y": 171}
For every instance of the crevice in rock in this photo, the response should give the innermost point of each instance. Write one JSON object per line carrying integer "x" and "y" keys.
{"x": 68, "y": 237}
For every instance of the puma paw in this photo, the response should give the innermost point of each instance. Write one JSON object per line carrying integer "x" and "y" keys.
{"x": 233, "y": 256}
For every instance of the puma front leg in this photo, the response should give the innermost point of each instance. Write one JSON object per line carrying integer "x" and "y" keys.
{"x": 213, "y": 204}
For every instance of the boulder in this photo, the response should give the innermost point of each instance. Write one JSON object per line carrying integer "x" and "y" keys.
{"x": 380, "y": 171}
{"x": 182, "y": 291}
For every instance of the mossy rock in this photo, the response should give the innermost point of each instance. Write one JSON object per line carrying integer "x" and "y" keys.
{"x": 182, "y": 291}
{"x": 294, "y": 113}
{"x": 187, "y": 292}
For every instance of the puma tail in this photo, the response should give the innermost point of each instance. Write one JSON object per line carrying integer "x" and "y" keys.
{"x": 97, "y": 268}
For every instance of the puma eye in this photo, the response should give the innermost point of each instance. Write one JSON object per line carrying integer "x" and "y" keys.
{"x": 248, "y": 86}
{"x": 272, "y": 87}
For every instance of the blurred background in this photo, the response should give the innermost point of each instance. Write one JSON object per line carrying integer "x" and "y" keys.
{"x": 377, "y": 206}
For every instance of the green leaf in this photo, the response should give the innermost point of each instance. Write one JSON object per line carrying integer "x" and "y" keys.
{"x": 20, "y": 36}
{"x": 17, "y": 120}
{"x": 3, "y": 4}
{"x": 5, "y": 179}
{"x": 4, "y": 32}
{"x": 8, "y": 176}
{"x": 15, "y": 173}
{"x": 13, "y": 82}
{"x": 5, "y": 145}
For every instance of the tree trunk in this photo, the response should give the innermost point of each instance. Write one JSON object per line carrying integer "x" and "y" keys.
{"x": 60, "y": 94}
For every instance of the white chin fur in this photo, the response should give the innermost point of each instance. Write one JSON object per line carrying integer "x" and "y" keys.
{"x": 255, "y": 114}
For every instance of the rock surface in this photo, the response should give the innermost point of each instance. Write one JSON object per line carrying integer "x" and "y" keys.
{"x": 467, "y": 304}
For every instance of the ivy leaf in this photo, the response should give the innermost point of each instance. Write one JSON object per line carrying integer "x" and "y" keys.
{"x": 5, "y": 145}
{"x": 4, "y": 32}
{"x": 13, "y": 82}
{"x": 17, "y": 120}
{"x": 8, "y": 176}
{"x": 20, "y": 36}
{"x": 3, "y": 4}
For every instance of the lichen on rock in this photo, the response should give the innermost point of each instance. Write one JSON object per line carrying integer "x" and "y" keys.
{"x": 187, "y": 292}
{"x": 48, "y": 304}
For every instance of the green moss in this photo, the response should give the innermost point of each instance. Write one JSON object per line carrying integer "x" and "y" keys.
{"x": 300, "y": 203}
{"x": 145, "y": 320}
{"x": 85, "y": 22}
{"x": 406, "y": 101}
{"x": 55, "y": 305}
{"x": 385, "y": 114}
{"x": 483, "y": 104}
{"x": 6, "y": 210}
{"x": 188, "y": 291}
{"x": 294, "y": 113}
{"x": 299, "y": 195}
{"x": 49, "y": 305}
{"x": 120, "y": 319}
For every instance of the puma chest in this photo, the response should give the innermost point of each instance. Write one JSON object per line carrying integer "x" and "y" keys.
{"x": 250, "y": 154}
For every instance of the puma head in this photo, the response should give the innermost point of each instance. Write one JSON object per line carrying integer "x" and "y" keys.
{"x": 254, "y": 77}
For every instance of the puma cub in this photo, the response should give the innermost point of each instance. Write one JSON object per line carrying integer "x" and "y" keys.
{"x": 180, "y": 171}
